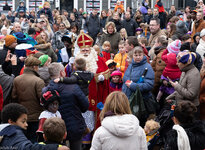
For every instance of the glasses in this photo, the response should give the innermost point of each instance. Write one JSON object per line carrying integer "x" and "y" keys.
{"x": 61, "y": 26}
{"x": 152, "y": 25}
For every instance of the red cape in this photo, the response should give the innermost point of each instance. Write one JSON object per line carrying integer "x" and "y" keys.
{"x": 98, "y": 91}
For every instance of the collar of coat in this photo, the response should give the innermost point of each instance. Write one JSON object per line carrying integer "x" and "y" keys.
{"x": 187, "y": 68}
{"x": 30, "y": 71}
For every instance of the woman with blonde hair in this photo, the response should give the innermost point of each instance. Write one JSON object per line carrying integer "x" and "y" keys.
{"x": 119, "y": 128}
{"x": 110, "y": 34}
{"x": 48, "y": 30}
{"x": 123, "y": 34}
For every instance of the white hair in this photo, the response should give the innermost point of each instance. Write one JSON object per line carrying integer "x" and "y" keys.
{"x": 54, "y": 69}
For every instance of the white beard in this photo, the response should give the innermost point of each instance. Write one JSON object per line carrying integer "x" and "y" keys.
{"x": 91, "y": 61}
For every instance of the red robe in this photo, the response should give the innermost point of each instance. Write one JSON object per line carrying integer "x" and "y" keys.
{"x": 98, "y": 91}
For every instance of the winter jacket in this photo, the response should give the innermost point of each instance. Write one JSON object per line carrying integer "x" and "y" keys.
{"x": 103, "y": 22}
{"x": 118, "y": 24}
{"x": 130, "y": 26}
{"x": 114, "y": 39}
{"x": 133, "y": 73}
{"x": 44, "y": 74}
{"x": 115, "y": 86}
{"x": 121, "y": 61}
{"x": 188, "y": 87}
{"x": 48, "y": 12}
{"x": 82, "y": 78}
{"x": 119, "y": 132}
{"x": 181, "y": 30}
{"x": 202, "y": 95}
{"x": 6, "y": 82}
{"x": 201, "y": 48}
{"x": 195, "y": 132}
{"x": 14, "y": 138}
{"x": 197, "y": 27}
{"x": 92, "y": 25}
{"x": 74, "y": 102}
{"x": 171, "y": 70}
{"x": 57, "y": 42}
{"x": 153, "y": 37}
{"x": 158, "y": 66}
{"x": 147, "y": 18}
{"x": 47, "y": 49}
{"x": 27, "y": 91}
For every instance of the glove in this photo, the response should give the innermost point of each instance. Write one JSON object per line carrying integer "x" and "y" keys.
{"x": 101, "y": 78}
{"x": 100, "y": 105}
{"x": 71, "y": 60}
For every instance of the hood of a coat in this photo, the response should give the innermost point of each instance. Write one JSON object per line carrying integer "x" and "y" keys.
{"x": 2, "y": 126}
{"x": 121, "y": 125}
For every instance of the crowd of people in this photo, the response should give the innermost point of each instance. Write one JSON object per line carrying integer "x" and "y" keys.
{"x": 113, "y": 79}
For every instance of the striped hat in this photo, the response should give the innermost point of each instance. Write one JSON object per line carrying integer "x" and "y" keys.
{"x": 174, "y": 47}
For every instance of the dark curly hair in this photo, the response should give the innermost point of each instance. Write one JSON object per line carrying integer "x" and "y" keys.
{"x": 185, "y": 111}
{"x": 12, "y": 111}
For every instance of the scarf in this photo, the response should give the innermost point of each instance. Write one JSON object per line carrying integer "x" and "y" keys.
{"x": 182, "y": 138}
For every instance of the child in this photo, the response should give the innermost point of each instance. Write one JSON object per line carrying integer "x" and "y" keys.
{"x": 171, "y": 70}
{"x": 43, "y": 69}
{"x": 54, "y": 130}
{"x": 50, "y": 101}
{"x": 106, "y": 50}
{"x": 129, "y": 59}
{"x": 121, "y": 57}
{"x": 14, "y": 119}
{"x": 120, "y": 6}
{"x": 116, "y": 81}
{"x": 21, "y": 7}
{"x": 123, "y": 34}
{"x": 139, "y": 31}
{"x": 151, "y": 131}
{"x": 97, "y": 49}
{"x": 111, "y": 65}
{"x": 80, "y": 76}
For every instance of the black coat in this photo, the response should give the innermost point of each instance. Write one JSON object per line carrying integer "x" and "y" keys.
{"x": 82, "y": 78}
{"x": 147, "y": 18}
{"x": 73, "y": 103}
{"x": 92, "y": 25}
{"x": 118, "y": 24}
{"x": 130, "y": 26}
{"x": 196, "y": 135}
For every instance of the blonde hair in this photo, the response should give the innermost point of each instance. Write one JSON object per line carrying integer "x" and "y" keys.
{"x": 110, "y": 24}
{"x": 106, "y": 43}
{"x": 116, "y": 102}
{"x": 48, "y": 26}
{"x": 152, "y": 125}
{"x": 47, "y": 3}
{"x": 123, "y": 29}
{"x": 97, "y": 49}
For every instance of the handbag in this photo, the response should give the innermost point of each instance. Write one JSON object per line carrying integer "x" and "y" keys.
{"x": 137, "y": 105}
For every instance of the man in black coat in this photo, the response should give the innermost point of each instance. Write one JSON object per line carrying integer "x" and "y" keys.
{"x": 92, "y": 24}
{"x": 129, "y": 24}
{"x": 73, "y": 104}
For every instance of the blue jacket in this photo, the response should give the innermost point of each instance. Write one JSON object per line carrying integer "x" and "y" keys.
{"x": 133, "y": 73}
{"x": 73, "y": 103}
{"x": 14, "y": 138}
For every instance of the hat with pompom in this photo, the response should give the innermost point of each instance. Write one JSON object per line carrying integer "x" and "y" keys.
{"x": 174, "y": 47}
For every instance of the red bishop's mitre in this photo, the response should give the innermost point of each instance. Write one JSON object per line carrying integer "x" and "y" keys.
{"x": 84, "y": 40}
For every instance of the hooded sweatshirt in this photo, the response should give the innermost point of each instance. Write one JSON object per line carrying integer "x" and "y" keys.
{"x": 119, "y": 132}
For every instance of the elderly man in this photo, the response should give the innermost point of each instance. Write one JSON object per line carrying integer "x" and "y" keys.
{"x": 27, "y": 91}
{"x": 155, "y": 33}
{"x": 99, "y": 86}
{"x": 73, "y": 103}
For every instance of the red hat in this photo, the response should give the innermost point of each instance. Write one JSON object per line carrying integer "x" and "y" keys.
{"x": 116, "y": 73}
{"x": 84, "y": 40}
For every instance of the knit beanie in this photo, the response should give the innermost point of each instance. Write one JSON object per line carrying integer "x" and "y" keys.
{"x": 116, "y": 73}
{"x": 186, "y": 57}
{"x": 43, "y": 59}
{"x": 9, "y": 39}
{"x": 174, "y": 47}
